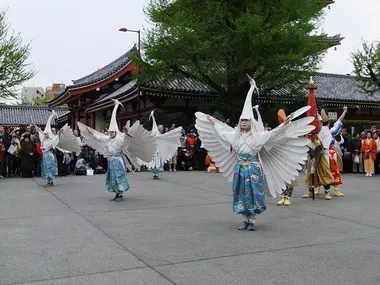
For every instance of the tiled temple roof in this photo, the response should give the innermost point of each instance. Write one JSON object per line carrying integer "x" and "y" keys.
{"x": 21, "y": 115}
{"x": 190, "y": 86}
{"x": 102, "y": 73}
{"x": 105, "y": 71}
{"x": 343, "y": 88}
{"x": 335, "y": 40}
{"x": 337, "y": 87}
{"x": 331, "y": 87}
{"x": 181, "y": 85}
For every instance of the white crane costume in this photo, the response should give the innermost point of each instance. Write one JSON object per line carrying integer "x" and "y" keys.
{"x": 64, "y": 141}
{"x": 288, "y": 191}
{"x": 122, "y": 149}
{"x": 245, "y": 154}
{"x": 166, "y": 146}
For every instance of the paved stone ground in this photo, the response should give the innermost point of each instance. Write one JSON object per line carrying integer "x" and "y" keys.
{"x": 181, "y": 230}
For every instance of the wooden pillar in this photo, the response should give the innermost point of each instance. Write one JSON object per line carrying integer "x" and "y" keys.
{"x": 85, "y": 118}
{"x": 77, "y": 119}
{"x": 73, "y": 125}
{"x": 92, "y": 120}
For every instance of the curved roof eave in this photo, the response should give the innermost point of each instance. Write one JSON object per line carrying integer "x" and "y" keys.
{"x": 95, "y": 85}
{"x": 107, "y": 70}
{"x": 101, "y": 75}
{"x": 74, "y": 87}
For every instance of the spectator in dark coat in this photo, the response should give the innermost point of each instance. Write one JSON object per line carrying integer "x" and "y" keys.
{"x": 8, "y": 158}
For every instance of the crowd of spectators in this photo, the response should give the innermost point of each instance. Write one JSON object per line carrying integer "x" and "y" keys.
{"x": 354, "y": 153}
{"x": 21, "y": 154}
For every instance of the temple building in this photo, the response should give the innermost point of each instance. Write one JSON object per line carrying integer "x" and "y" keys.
{"x": 89, "y": 98}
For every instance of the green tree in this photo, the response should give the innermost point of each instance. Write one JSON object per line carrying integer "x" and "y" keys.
{"x": 367, "y": 66}
{"x": 217, "y": 41}
{"x": 13, "y": 55}
{"x": 42, "y": 101}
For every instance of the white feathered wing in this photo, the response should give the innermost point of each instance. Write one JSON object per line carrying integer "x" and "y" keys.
{"x": 221, "y": 152}
{"x": 139, "y": 145}
{"x": 167, "y": 143}
{"x": 90, "y": 139}
{"x": 67, "y": 140}
{"x": 282, "y": 156}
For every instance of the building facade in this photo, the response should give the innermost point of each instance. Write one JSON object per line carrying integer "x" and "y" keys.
{"x": 28, "y": 93}
{"x": 55, "y": 89}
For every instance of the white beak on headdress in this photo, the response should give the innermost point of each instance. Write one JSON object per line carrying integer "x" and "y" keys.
{"x": 155, "y": 130}
{"x": 247, "y": 112}
{"x": 48, "y": 129}
{"x": 113, "y": 123}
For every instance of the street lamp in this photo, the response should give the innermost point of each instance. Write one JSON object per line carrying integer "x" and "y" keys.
{"x": 138, "y": 32}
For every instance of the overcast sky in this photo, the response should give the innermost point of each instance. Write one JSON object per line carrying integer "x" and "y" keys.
{"x": 71, "y": 39}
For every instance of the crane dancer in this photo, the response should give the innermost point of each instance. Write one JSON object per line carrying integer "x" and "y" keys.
{"x": 122, "y": 150}
{"x": 245, "y": 154}
{"x": 166, "y": 146}
{"x": 50, "y": 140}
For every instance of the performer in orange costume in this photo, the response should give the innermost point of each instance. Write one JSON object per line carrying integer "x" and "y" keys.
{"x": 211, "y": 165}
{"x": 369, "y": 149}
{"x": 334, "y": 167}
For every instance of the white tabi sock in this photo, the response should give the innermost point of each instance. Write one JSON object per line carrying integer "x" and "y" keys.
{"x": 252, "y": 219}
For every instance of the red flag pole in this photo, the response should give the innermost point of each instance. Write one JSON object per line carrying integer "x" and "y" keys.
{"x": 314, "y": 113}
{"x": 313, "y": 110}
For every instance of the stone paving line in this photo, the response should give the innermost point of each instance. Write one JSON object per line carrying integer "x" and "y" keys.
{"x": 171, "y": 231}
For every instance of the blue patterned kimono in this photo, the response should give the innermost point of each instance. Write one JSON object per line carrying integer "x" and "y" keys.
{"x": 49, "y": 166}
{"x": 248, "y": 185}
{"x": 248, "y": 179}
{"x": 116, "y": 180}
